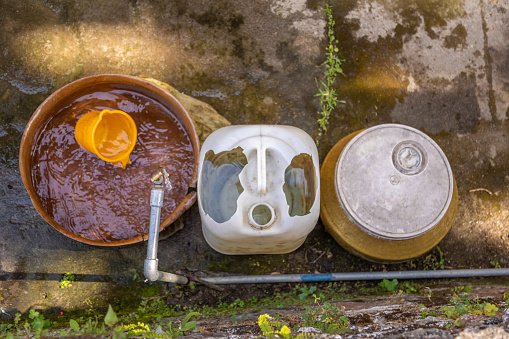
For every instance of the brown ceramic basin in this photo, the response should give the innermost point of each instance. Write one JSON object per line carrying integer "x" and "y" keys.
{"x": 90, "y": 200}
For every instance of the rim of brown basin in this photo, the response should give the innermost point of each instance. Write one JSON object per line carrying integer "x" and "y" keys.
{"x": 45, "y": 112}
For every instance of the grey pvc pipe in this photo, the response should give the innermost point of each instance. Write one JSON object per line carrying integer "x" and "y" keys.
{"x": 401, "y": 275}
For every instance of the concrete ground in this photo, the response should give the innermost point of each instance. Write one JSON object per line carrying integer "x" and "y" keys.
{"x": 439, "y": 66}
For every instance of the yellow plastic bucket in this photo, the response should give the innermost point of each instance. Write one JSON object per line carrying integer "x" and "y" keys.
{"x": 111, "y": 135}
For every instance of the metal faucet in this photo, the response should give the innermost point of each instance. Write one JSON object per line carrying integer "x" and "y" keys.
{"x": 151, "y": 263}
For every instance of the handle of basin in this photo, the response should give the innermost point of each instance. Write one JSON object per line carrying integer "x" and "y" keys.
{"x": 261, "y": 156}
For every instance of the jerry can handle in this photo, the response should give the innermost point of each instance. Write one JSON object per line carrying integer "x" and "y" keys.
{"x": 261, "y": 159}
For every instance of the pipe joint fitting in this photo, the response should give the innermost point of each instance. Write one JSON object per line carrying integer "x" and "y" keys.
{"x": 150, "y": 269}
{"x": 156, "y": 197}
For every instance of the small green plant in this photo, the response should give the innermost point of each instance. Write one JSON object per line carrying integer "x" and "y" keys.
{"x": 424, "y": 314}
{"x": 38, "y": 323}
{"x": 187, "y": 325}
{"x": 440, "y": 263}
{"x": 427, "y": 312}
{"x": 460, "y": 304}
{"x": 169, "y": 331}
{"x": 490, "y": 309}
{"x": 494, "y": 264}
{"x": 326, "y": 92}
{"x": 271, "y": 327}
{"x": 305, "y": 292}
{"x": 409, "y": 288}
{"x": 388, "y": 285}
{"x": 506, "y": 298}
{"x": 328, "y": 318}
{"x": 137, "y": 330}
{"x": 455, "y": 323}
{"x": 73, "y": 324}
{"x": 113, "y": 327}
{"x": 154, "y": 308}
{"x": 431, "y": 262}
{"x": 5, "y": 330}
{"x": 93, "y": 327}
{"x": 237, "y": 303}
{"x": 110, "y": 320}
{"x": 460, "y": 295}
{"x": 67, "y": 280}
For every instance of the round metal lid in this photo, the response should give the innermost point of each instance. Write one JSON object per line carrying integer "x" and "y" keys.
{"x": 393, "y": 182}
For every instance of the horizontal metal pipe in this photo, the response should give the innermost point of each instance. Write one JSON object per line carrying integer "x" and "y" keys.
{"x": 172, "y": 278}
{"x": 402, "y": 275}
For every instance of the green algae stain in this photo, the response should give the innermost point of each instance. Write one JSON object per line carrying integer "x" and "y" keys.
{"x": 258, "y": 105}
{"x": 435, "y": 13}
{"x": 150, "y": 290}
{"x": 457, "y": 37}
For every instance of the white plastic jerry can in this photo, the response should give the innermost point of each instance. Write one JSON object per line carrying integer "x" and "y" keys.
{"x": 258, "y": 189}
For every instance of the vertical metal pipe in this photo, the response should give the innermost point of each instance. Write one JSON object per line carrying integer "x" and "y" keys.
{"x": 151, "y": 263}
{"x": 156, "y": 203}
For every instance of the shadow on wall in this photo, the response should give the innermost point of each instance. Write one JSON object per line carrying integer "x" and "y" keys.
{"x": 9, "y": 276}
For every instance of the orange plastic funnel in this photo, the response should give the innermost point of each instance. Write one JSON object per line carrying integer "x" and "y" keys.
{"x": 111, "y": 135}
